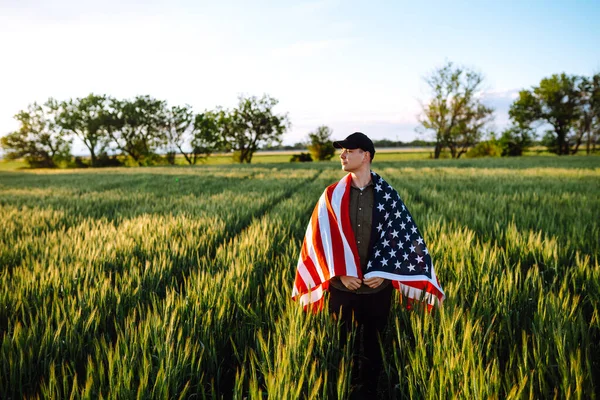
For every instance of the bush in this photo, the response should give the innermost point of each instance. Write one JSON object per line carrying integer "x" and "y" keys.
{"x": 79, "y": 163}
{"x": 104, "y": 160}
{"x": 302, "y": 157}
{"x": 170, "y": 157}
{"x": 514, "y": 141}
{"x": 488, "y": 148}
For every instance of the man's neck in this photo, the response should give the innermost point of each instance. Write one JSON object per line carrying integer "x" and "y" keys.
{"x": 361, "y": 178}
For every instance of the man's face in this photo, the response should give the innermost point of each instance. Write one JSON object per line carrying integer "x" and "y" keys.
{"x": 352, "y": 159}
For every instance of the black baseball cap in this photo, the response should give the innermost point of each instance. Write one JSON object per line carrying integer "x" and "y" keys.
{"x": 357, "y": 140}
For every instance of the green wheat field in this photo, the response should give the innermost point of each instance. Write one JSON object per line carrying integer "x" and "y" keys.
{"x": 175, "y": 282}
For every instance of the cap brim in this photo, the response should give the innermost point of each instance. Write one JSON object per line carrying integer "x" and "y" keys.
{"x": 344, "y": 144}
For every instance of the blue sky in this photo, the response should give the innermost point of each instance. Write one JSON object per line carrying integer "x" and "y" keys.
{"x": 346, "y": 64}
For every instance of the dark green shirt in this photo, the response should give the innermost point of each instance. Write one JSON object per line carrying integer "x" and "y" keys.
{"x": 361, "y": 218}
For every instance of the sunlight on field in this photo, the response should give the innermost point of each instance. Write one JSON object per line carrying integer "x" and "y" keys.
{"x": 175, "y": 282}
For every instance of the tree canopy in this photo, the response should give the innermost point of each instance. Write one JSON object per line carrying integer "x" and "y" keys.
{"x": 251, "y": 125}
{"x": 455, "y": 114}
{"x": 320, "y": 146}
{"x": 40, "y": 139}
{"x": 562, "y": 101}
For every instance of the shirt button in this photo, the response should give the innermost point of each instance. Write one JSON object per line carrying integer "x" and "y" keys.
{"x": 358, "y": 224}
{"x": 359, "y": 241}
{"x": 359, "y": 209}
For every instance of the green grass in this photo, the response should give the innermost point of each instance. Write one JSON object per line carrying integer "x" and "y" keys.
{"x": 174, "y": 282}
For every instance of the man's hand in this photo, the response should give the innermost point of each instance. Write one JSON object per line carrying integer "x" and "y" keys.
{"x": 373, "y": 282}
{"x": 351, "y": 282}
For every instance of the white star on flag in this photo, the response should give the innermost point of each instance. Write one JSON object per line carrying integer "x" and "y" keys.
{"x": 394, "y": 204}
{"x": 414, "y": 229}
{"x": 387, "y": 196}
{"x": 395, "y": 233}
{"x": 392, "y": 253}
{"x": 380, "y": 207}
{"x": 385, "y": 243}
{"x": 377, "y": 253}
{"x": 408, "y": 218}
{"x": 390, "y": 222}
{"x": 420, "y": 240}
{"x": 419, "y": 259}
{"x": 403, "y": 226}
{"x": 397, "y": 214}
{"x": 425, "y": 251}
{"x": 369, "y": 264}
{"x": 412, "y": 248}
{"x": 378, "y": 188}
{"x": 407, "y": 237}
{"x": 387, "y": 215}
{"x": 379, "y": 227}
{"x": 411, "y": 267}
{"x": 405, "y": 256}
{"x": 384, "y": 261}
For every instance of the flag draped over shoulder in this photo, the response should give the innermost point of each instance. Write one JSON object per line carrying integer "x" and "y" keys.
{"x": 398, "y": 251}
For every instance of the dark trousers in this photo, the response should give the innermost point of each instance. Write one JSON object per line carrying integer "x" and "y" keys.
{"x": 368, "y": 314}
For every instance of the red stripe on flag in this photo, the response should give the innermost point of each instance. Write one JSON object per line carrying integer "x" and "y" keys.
{"x": 310, "y": 266}
{"x": 318, "y": 246}
{"x": 300, "y": 284}
{"x": 347, "y": 225}
{"x": 337, "y": 246}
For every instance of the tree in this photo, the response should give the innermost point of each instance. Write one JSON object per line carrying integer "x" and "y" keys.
{"x": 320, "y": 146}
{"x": 206, "y": 135}
{"x": 40, "y": 140}
{"x": 555, "y": 101}
{"x": 515, "y": 140}
{"x": 589, "y": 111}
{"x": 455, "y": 114}
{"x": 202, "y": 130}
{"x": 250, "y": 125}
{"x": 179, "y": 124}
{"x": 83, "y": 118}
{"x": 137, "y": 127}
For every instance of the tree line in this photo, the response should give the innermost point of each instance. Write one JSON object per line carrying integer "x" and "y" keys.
{"x": 148, "y": 131}
{"x": 141, "y": 128}
{"x": 456, "y": 116}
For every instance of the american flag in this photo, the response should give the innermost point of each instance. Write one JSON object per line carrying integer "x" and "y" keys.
{"x": 398, "y": 253}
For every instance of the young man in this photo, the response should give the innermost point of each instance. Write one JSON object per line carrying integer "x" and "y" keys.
{"x": 364, "y": 302}
{"x": 361, "y": 243}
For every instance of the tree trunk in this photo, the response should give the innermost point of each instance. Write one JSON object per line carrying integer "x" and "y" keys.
{"x": 563, "y": 146}
{"x": 452, "y": 150}
{"x": 437, "y": 151}
{"x": 589, "y": 141}
{"x": 187, "y": 158}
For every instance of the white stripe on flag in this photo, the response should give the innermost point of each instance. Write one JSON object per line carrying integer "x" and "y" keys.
{"x": 312, "y": 296}
{"x": 305, "y": 275}
{"x": 418, "y": 294}
{"x": 326, "y": 234}
{"x": 336, "y": 202}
